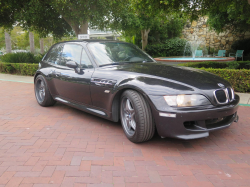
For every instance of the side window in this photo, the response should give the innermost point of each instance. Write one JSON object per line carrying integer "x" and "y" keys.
{"x": 85, "y": 62}
{"x": 71, "y": 52}
{"x": 54, "y": 54}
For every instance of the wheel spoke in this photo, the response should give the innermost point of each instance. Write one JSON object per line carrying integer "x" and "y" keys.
{"x": 132, "y": 113}
{"x": 133, "y": 124}
{"x": 41, "y": 94}
{"x": 42, "y": 84}
{"x": 127, "y": 105}
{"x": 128, "y": 123}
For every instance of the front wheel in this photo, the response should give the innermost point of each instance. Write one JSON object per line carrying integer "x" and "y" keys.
{"x": 42, "y": 93}
{"x": 136, "y": 117}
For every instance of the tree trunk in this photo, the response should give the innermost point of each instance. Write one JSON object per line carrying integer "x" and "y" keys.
{"x": 41, "y": 46}
{"x": 84, "y": 28}
{"x": 32, "y": 44}
{"x": 7, "y": 42}
{"x": 144, "y": 36}
{"x": 81, "y": 29}
{"x": 78, "y": 29}
{"x": 249, "y": 2}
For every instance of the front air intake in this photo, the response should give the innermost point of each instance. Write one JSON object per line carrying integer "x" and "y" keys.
{"x": 221, "y": 96}
{"x": 224, "y": 96}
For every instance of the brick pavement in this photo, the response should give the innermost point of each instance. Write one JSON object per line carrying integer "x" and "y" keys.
{"x": 62, "y": 146}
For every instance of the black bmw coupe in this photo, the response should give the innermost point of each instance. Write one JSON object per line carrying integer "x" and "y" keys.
{"x": 118, "y": 81}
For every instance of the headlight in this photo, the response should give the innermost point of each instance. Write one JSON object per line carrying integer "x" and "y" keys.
{"x": 186, "y": 100}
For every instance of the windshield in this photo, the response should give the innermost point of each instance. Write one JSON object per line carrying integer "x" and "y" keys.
{"x": 114, "y": 52}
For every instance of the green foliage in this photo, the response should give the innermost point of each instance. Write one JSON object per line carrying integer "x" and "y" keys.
{"x": 19, "y": 69}
{"x": 36, "y": 15}
{"x": 171, "y": 47}
{"x": 242, "y": 45}
{"x": 2, "y": 38}
{"x": 20, "y": 40}
{"x": 170, "y": 27}
{"x": 228, "y": 14}
{"x": 59, "y": 17}
{"x": 239, "y": 79}
{"x": 219, "y": 65}
{"x": 21, "y": 58}
{"x": 223, "y": 14}
{"x": 233, "y": 65}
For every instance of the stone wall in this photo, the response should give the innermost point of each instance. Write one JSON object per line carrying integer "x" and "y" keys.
{"x": 199, "y": 30}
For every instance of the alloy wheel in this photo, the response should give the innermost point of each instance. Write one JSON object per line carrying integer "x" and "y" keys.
{"x": 128, "y": 116}
{"x": 40, "y": 90}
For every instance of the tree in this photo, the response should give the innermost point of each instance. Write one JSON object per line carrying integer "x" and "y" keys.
{"x": 58, "y": 17}
{"x": 7, "y": 42}
{"x": 160, "y": 31}
{"x": 33, "y": 15}
{"x": 223, "y": 14}
{"x": 229, "y": 15}
{"x": 137, "y": 18}
{"x": 32, "y": 43}
{"x": 133, "y": 20}
{"x": 41, "y": 46}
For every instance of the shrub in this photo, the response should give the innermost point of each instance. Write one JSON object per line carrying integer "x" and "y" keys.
{"x": 233, "y": 65}
{"x": 21, "y": 58}
{"x": 172, "y": 47}
{"x": 219, "y": 65}
{"x": 242, "y": 45}
{"x": 239, "y": 79}
{"x": 18, "y": 68}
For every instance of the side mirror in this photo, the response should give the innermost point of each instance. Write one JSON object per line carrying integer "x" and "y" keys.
{"x": 71, "y": 64}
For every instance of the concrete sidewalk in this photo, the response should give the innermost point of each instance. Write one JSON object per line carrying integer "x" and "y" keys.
{"x": 244, "y": 97}
{"x": 16, "y": 78}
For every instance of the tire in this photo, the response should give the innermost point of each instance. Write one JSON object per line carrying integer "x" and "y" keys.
{"x": 136, "y": 117}
{"x": 42, "y": 93}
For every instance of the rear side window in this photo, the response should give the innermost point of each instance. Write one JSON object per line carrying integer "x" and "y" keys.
{"x": 71, "y": 52}
{"x": 54, "y": 54}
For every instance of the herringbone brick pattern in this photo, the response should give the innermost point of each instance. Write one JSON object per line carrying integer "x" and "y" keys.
{"x": 62, "y": 146}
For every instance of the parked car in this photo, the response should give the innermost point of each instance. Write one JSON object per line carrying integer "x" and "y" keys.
{"x": 118, "y": 81}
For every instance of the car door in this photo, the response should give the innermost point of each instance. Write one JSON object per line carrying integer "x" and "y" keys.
{"x": 74, "y": 84}
{"x": 51, "y": 61}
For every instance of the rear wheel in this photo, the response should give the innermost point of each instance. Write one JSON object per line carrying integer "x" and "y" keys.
{"x": 42, "y": 93}
{"x": 136, "y": 117}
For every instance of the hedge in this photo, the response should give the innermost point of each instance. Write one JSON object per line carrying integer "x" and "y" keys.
{"x": 218, "y": 65}
{"x": 18, "y": 68}
{"x": 29, "y": 58}
{"x": 239, "y": 79}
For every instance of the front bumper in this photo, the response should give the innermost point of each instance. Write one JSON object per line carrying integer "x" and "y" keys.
{"x": 191, "y": 123}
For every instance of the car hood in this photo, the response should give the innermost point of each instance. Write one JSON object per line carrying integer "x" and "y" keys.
{"x": 189, "y": 76}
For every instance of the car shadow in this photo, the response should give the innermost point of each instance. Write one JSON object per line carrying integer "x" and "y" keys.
{"x": 183, "y": 145}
